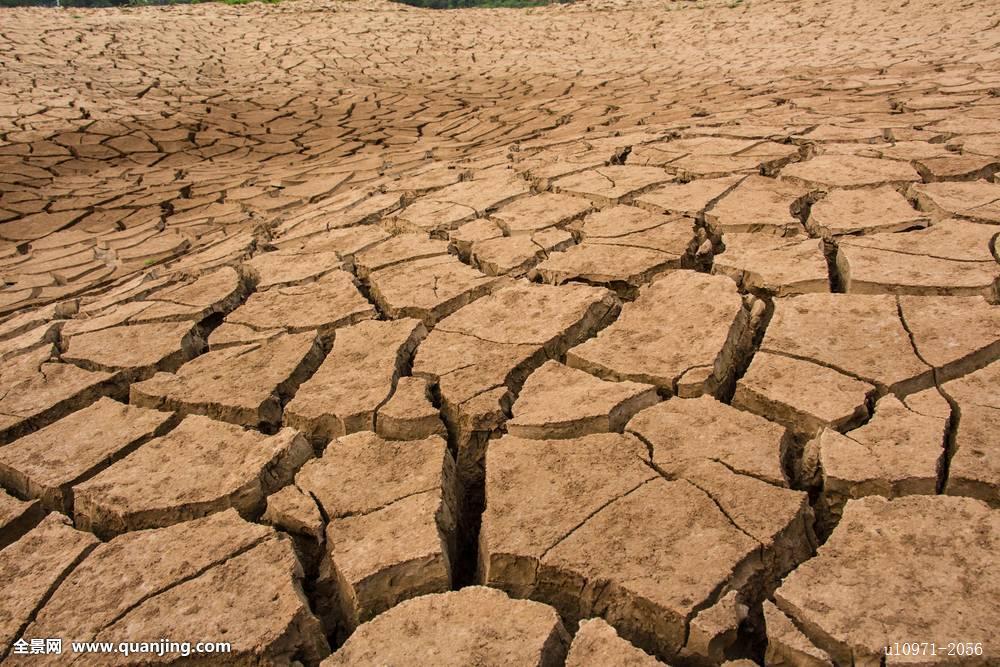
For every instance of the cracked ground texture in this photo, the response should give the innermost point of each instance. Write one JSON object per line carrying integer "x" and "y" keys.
{"x": 607, "y": 333}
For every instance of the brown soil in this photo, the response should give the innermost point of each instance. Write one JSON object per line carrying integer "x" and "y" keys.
{"x": 604, "y": 333}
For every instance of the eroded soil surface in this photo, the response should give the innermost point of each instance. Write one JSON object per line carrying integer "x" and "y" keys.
{"x": 610, "y": 333}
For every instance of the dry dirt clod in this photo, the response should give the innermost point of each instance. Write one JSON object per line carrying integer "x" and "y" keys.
{"x": 561, "y": 402}
{"x": 533, "y": 214}
{"x": 267, "y": 576}
{"x": 243, "y": 384}
{"x": 428, "y": 289}
{"x": 680, "y": 322}
{"x": 357, "y": 377}
{"x": 42, "y": 336}
{"x": 956, "y": 335}
{"x": 347, "y": 243}
{"x": 871, "y": 552}
{"x": 40, "y": 390}
{"x": 17, "y": 517}
{"x": 32, "y": 319}
{"x": 802, "y": 396}
{"x": 137, "y": 351}
{"x": 971, "y": 462}
{"x": 684, "y": 430}
{"x": 848, "y": 171}
{"x": 951, "y": 258}
{"x": 515, "y": 255}
{"x": 758, "y": 205}
{"x": 461, "y": 240}
{"x": 32, "y": 568}
{"x": 979, "y": 200}
{"x": 397, "y": 250}
{"x": 897, "y": 453}
{"x": 760, "y": 263}
{"x": 580, "y": 543}
{"x": 864, "y": 211}
{"x": 459, "y": 628}
{"x": 218, "y": 291}
{"x": 870, "y": 342}
{"x": 49, "y": 463}
{"x": 880, "y": 345}
{"x": 596, "y": 643}
{"x": 610, "y": 185}
{"x": 294, "y": 511}
{"x": 787, "y": 645}
{"x": 480, "y": 356}
{"x": 621, "y": 268}
{"x": 289, "y": 267}
{"x": 322, "y": 306}
{"x": 689, "y": 199}
{"x": 409, "y": 414}
{"x": 202, "y": 466}
{"x": 391, "y": 532}
{"x": 122, "y": 574}
{"x": 451, "y": 206}
{"x": 623, "y": 247}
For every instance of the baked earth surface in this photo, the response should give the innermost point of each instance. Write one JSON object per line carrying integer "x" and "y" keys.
{"x": 600, "y": 333}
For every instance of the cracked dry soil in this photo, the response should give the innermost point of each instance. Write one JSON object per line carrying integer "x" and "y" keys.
{"x": 608, "y": 333}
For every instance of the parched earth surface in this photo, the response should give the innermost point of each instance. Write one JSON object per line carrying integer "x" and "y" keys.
{"x": 609, "y": 333}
